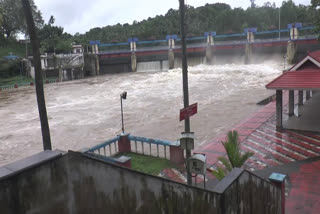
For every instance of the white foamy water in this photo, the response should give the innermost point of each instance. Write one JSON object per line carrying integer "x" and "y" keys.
{"x": 86, "y": 112}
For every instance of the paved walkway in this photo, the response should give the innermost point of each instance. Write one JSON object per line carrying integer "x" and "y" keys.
{"x": 258, "y": 134}
{"x": 274, "y": 149}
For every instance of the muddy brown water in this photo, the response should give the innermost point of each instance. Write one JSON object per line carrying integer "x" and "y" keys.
{"x": 86, "y": 112}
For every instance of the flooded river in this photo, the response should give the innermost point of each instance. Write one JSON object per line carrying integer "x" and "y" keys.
{"x": 86, "y": 112}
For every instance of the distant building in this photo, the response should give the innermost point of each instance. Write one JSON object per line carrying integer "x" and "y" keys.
{"x": 77, "y": 49}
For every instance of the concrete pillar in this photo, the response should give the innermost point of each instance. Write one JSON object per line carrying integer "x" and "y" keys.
{"x": 133, "y": 46}
{"x": 294, "y": 33}
{"x": 60, "y": 74}
{"x": 209, "y": 50}
{"x": 291, "y": 52}
{"x": 248, "y": 48}
{"x": 279, "y": 181}
{"x": 291, "y": 103}
{"x": 308, "y": 95}
{"x": 124, "y": 144}
{"x": 97, "y": 65}
{"x": 279, "y": 109}
{"x": 171, "y": 59}
{"x": 300, "y": 100}
{"x": 176, "y": 155}
{"x": 93, "y": 47}
{"x": 133, "y": 62}
{"x": 209, "y": 55}
{"x": 171, "y": 43}
{"x": 250, "y": 37}
{"x": 248, "y": 53}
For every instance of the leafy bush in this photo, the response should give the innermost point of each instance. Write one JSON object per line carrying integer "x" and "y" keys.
{"x": 9, "y": 68}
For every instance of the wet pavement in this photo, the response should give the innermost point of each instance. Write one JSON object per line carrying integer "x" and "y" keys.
{"x": 290, "y": 152}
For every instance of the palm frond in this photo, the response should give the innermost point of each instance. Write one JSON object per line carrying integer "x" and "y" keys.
{"x": 219, "y": 173}
{"x": 226, "y": 163}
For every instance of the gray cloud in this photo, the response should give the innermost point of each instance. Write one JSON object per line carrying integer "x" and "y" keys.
{"x": 82, "y": 15}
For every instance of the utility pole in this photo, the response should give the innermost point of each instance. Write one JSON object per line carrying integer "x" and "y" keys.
{"x": 279, "y": 21}
{"x": 38, "y": 76}
{"x": 185, "y": 81}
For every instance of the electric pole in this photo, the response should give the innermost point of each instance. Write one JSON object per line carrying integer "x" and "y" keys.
{"x": 185, "y": 80}
{"x": 38, "y": 76}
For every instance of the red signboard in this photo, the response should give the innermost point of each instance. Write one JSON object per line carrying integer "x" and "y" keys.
{"x": 189, "y": 111}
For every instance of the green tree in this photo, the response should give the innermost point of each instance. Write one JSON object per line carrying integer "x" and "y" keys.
{"x": 315, "y": 5}
{"x": 53, "y": 39}
{"x": 13, "y": 22}
{"x": 235, "y": 157}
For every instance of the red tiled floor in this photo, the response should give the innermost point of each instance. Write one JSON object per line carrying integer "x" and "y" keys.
{"x": 304, "y": 195}
{"x": 271, "y": 147}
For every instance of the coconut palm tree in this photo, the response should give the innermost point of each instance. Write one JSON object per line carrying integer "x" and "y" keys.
{"x": 235, "y": 159}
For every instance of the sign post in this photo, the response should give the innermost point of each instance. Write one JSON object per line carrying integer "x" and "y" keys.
{"x": 187, "y": 137}
{"x": 188, "y": 111}
{"x": 185, "y": 79}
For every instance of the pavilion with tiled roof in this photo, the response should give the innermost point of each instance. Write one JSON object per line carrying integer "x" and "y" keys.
{"x": 304, "y": 79}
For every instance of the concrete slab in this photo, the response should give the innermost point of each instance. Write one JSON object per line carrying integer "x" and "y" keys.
{"x": 4, "y": 171}
{"x": 29, "y": 162}
{"x": 309, "y": 116}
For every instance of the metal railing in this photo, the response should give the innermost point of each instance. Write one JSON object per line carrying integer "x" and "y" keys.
{"x": 151, "y": 147}
{"x": 241, "y": 36}
{"x": 108, "y": 148}
{"x": 139, "y": 145}
{"x": 24, "y": 84}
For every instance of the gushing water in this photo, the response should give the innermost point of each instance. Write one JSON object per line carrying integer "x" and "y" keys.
{"x": 86, "y": 112}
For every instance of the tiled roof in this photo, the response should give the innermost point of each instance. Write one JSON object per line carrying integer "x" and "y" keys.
{"x": 305, "y": 79}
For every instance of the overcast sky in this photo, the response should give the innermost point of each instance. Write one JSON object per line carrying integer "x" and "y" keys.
{"x": 82, "y": 15}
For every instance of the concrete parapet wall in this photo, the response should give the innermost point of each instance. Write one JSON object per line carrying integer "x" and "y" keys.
{"x": 76, "y": 183}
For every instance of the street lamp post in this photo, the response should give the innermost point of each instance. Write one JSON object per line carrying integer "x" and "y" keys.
{"x": 185, "y": 81}
{"x": 122, "y": 96}
{"x": 279, "y": 21}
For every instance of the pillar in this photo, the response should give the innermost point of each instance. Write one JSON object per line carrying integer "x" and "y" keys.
{"x": 294, "y": 33}
{"x": 308, "y": 95}
{"x": 176, "y": 155}
{"x": 291, "y": 103}
{"x": 97, "y": 49}
{"x": 93, "y": 47}
{"x": 97, "y": 65}
{"x": 279, "y": 181}
{"x": 209, "y": 55}
{"x": 133, "y": 48}
{"x": 248, "y": 53}
{"x": 279, "y": 109}
{"x": 300, "y": 100}
{"x": 60, "y": 74}
{"x": 124, "y": 144}
{"x": 250, "y": 36}
{"x": 133, "y": 62}
{"x": 291, "y": 51}
{"x": 248, "y": 48}
{"x": 171, "y": 59}
{"x": 209, "y": 49}
{"x": 171, "y": 43}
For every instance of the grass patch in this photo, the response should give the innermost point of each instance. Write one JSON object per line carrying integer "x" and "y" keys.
{"x": 148, "y": 164}
{"x": 14, "y": 80}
